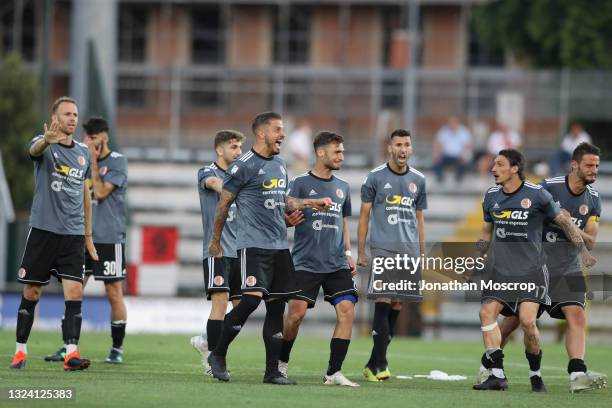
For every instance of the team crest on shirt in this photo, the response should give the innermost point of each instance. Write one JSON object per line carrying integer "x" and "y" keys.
{"x": 412, "y": 187}
{"x": 339, "y": 193}
{"x": 103, "y": 170}
{"x": 251, "y": 280}
{"x": 21, "y": 273}
{"x": 218, "y": 280}
{"x": 584, "y": 209}
{"x": 525, "y": 203}
{"x": 82, "y": 160}
{"x": 234, "y": 170}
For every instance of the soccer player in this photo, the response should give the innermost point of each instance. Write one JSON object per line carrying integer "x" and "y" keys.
{"x": 222, "y": 277}
{"x": 109, "y": 188}
{"x": 581, "y": 203}
{"x": 322, "y": 255}
{"x": 395, "y": 194}
{"x": 257, "y": 182}
{"x": 60, "y": 230}
{"x": 514, "y": 214}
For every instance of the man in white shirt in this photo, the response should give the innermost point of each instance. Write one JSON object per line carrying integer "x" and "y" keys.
{"x": 452, "y": 146}
{"x": 559, "y": 163}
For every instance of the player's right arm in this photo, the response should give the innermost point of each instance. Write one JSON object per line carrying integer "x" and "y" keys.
{"x": 486, "y": 232}
{"x": 589, "y": 234}
{"x": 214, "y": 184}
{"x": 52, "y": 135}
{"x": 362, "y": 233}
{"x": 573, "y": 234}
{"x": 225, "y": 201}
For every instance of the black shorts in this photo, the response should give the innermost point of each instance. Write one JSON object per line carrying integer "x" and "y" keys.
{"x": 110, "y": 266}
{"x": 568, "y": 289}
{"x": 512, "y": 298}
{"x": 269, "y": 271}
{"x": 47, "y": 253}
{"x": 222, "y": 275}
{"x": 334, "y": 284}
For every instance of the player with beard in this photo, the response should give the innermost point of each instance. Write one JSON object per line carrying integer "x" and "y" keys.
{"x": 60, "y": 230}
{"x": 514, "y": 214}
{"x": 257, "y": 183}
{"x": 580, "y": 202}
{"x": 395, "y": 196}
{"x": 322, "y": 256}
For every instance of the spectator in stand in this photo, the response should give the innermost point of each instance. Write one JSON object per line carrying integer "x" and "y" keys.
{"x": 502, "y": 138}
{"x": 452, "y": 146}
{"x": 560, "y": 161}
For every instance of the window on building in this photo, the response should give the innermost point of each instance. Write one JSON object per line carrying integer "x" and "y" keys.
{"x": 133, "y": 21}
{"x": 292, "y": 35}
{"x": 391, "y": 93}
{"x": 204, "y": 93}
{"x": 208, "y": 27}
{"x": 131, "y": 91}
{"x": 25, "y": 42}
{"x": 480, "y": 55}
{"x": 392, "y": 19}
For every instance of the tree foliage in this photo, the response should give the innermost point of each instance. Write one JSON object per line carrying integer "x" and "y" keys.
{"x": 18, "y": 124}
{"x": 550, "y": 33}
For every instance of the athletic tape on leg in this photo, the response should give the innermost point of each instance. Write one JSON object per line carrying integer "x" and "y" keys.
{"x": 489, "y": 327}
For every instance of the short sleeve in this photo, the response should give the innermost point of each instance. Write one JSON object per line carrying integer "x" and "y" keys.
{"x": 116, "y": 178}
{"x": 347, "y": 208}
{"x": 368, "y": 189}
{"x": 421, "y": 201}
{"x": 34, "y": 140}
{"x": 596, "y": 208}
{"x": 237, "y": 176}
{"x": 292, "y": 188}
{"x": 550, "y": 208}
{"x": 486, "y": 215}
{"x": 204, "y": 174}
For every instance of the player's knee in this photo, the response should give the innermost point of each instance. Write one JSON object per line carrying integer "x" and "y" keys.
{"x": 576, "y": 319}
{"x": 297, "y": 311}
{"x": 345, "y": 312}
{"x": 487, "y": 315}
{"x": 32, "y": 292}
{"x": 528, "y": 323}
{"x": 114, "y": 292}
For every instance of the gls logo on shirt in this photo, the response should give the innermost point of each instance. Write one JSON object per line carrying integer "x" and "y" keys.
{"x": 398, "y": 199}
{"x": 274, "y": 183}
{"x": 511, "y": 215}
{"x": 69, "y": 171}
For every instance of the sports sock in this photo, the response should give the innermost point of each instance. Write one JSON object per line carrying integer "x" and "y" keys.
{"x": 393, "y": 314}
{"x": 213, "y": 332}
{"x": 273, "y": 334}
{"x": 337, "y": 352}
{"x": 576, "y": 365}
{"x": 535, "y": 361}
{"x": 234, "y": 321}
{"x": 380, "y": 335}
{"x": 73, "y": 319}
{"x": 25, "y": 319}
{"x": 286, "y": 350}
{"x": 118, "y": 333}
{"x": 497, "y": 362}
{"x": 486, "y": 362}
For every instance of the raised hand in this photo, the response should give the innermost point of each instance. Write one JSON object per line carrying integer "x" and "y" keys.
{"x": 53, "y": 134}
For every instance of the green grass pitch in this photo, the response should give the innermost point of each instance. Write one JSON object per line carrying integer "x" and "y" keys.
{"x": 165, "y": 371}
